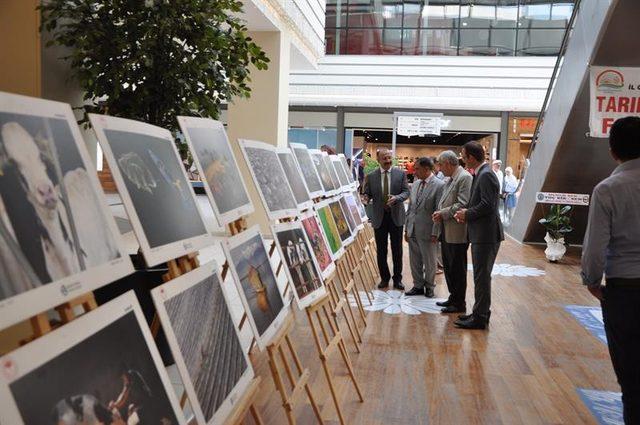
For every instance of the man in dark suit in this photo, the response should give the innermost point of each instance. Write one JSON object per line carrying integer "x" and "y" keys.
{"x": 388, "y": 188}
{"x": 485, "y": 233}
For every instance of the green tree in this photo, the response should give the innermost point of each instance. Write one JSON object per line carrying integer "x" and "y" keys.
{"x": 151, "y": 60}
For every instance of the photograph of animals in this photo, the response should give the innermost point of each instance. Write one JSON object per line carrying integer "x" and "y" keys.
{"x": 206, "y": 336}
{"x": 294, "y": 177}
{"x": 257, "y": 281}
{"x": 346, "y": 211}
{"x": 337, "y": 166}
{"x": 330, "y": 228}
{"x": 270, "y": 179}
{"x": 217, "y": 166}
{"x": 308, "y": 169}
{"x": 341, "y": 221}
{"x": 323, "y": 171}
{"x": 318, "y": 244}
{"x": 353, "y": 208}
{"x": 109, "y": 377}
{"x": 53, "y": 224}
{"x": 296, "y": 254}
{"x": 160, "y": 192}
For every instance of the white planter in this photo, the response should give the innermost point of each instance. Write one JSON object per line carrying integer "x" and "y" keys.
{"x": 555, "y": 248}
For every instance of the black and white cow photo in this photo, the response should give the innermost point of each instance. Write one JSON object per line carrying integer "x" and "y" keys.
{"x": 52, "y": 225}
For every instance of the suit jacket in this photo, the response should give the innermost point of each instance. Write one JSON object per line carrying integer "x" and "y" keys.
{"x": 419, "y": 223}
{"x": 483, "y": 217}
{"x": 455, "y": 195}
{"x": 398, "y": 187}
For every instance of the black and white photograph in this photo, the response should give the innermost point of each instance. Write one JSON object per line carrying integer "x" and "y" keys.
{"x": 301, "y": 268}
{"x": 311, "y": 178}
{"x": 217, "y": 168}
{"x": 332, "y": 172}
{"x": 256, "y": 283}
{"x": 294, "y": 177}
{"x": 102, "y": 368}
{"x": 347, "y": 170}
{"x": 154, "y": 187}
{"x": 270, "y": 180}
{"x": 204, "y": 341}
{"x": 352, "y": 204}
{"x": 361, "y": 209}
{"x": 339, "y": 170}
{"x": 323, "y": 171}
{"x": 353, "y": 225}
{"x": 57, "y": 238}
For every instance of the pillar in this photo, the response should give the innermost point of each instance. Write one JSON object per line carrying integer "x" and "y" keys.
{"x": 264, "y": 116}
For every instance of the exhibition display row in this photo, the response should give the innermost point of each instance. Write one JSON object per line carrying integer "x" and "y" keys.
{"x": 60, "y": 242}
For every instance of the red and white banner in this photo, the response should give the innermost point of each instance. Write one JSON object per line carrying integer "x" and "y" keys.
{"x": 615, "y": 93}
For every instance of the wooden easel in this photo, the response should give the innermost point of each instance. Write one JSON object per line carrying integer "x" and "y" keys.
{"x": 331, "y": 341}
{"x": 354, "y": 259}
{"x": 246, "y": 405}
{"x": 298, "y": 380}
{"x": 343, "y": 269}
{"x": 362, "y": 267}
{"x": 339, "y": 303}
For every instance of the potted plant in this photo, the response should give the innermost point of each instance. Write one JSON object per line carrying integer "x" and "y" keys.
{"x": 558, "y": 224}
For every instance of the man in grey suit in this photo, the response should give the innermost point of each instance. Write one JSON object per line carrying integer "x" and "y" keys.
{"x": 420, "y": 231}
{"x": 453, "y": 236}
{"x": 485, "y": 233}
{"x": 388, "y": 188}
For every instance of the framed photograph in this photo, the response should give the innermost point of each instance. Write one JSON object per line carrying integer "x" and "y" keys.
{"x": 336, "y": 163}
{"x": 354, "y": 210}
{"x": 347, "y": 169}
{"x": 295, "y": 179}
{"x": 318, "y": 242}
{"x": 351, "y": 221}
{"x": 297, "y": 255}
{"x": 330, "y": 229}
{"x": 344, "y": 229}
{"x": 204, "y": 341}
{"x": 311, "y": 178}
{"x": 218, "y": 168}
{"x": 269, "y": 178}
{"x": 332, "y": 173}
{"x": 154, "y": 187}
{"x": 58, "y": 239}
{"x": 323, "y": 172}
{"x": 256, "y": 283}
{"x": 361, "y": 208}
{"x": 101, "y": 368}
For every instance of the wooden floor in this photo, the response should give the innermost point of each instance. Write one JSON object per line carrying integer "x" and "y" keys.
{"x": 421, "y": 369}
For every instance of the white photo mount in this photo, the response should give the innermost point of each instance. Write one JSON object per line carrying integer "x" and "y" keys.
{"x": 272, "y": 214}
{"x": 26, "y": 359}
{"x": 347, "y": 169}
{"x": 351, "y": 199}
{"x": 363, "y": 211}
{"x": 271, "y": 331}
{"x": 42, "y": 296}
{"x": 337, "y": 209}
{"x": 323, "y": 208}
{"x": 217, "y": 129}
{"x": 175, "y": 287}
{"x": 317, "y": 293}
{"x": 336, "y": 163}
{"x": 321, "y": 166}
{"x": 311, "y": 215}
{"x": 159, "y": 254}
{"x": 332, "y": 172}
{"x": 303, "y": 158}
{"x": 289, "y": 153}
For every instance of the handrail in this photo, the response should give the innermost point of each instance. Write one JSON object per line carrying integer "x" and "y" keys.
{"x": 556, "y": 69}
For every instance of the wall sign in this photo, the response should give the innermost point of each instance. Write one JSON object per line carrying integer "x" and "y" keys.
{"x": 419, "y": 125}
{"x": 562, "y": 198}
{"x": 615, "y": 93}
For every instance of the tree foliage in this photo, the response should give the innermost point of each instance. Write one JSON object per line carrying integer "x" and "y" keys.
{"x": 558, "y": 221}
{"x": 152, "y": 60}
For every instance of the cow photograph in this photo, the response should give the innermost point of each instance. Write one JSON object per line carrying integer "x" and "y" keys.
{"x": 52, "y": 222}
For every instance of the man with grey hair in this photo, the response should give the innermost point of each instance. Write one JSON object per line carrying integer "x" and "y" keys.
{"x": 453, "y": 235}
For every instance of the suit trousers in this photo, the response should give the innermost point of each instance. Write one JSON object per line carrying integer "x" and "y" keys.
{"x": 483, "y": 256}
{"x": 423, "y": 258}
{"x": 621, "y": 314}
{"x": 389, "y": 231}
{"x": 454, "y": 262}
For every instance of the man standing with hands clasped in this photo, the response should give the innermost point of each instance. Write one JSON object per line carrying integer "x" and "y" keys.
{"x": 612, "y": 248}
{"x": 421, "y": 232}
{"x": 485, "y": 233}
{"x": 388, "y": 188}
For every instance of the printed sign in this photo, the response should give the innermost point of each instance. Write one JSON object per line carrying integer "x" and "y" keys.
{"x": 562, "y": 198}
{"x": 418, "y": 125}
{"x": 615, "y": 93}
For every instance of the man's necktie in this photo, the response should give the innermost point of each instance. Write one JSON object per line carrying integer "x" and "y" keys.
{"x": 385, "y": 186}
{"x": 420, "y": 189}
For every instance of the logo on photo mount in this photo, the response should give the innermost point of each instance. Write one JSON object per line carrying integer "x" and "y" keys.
{"x": 64, "y": 290}
{"x": 610, "y": 80}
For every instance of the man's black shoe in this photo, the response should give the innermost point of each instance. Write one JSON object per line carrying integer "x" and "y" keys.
{"x": 472, "y": 322}
{"x": 428, "y": 292}
{"x": 468, "y": 316}
{"x": 398, "y": 285}
{"x": 414, "y": 291}
{"x": 454, "y": 309}
{"x": 383, "y": 285}
{"x": 446, "y": 303}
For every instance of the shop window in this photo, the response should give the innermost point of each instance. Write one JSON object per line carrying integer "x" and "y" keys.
{"x": 488, "y": 13}
{"x": 539, "y": 42}
{"x": 487, "y": 42}
{"x": 335, "y": 41}
{"x": 374, "y": 41}
{"x": 430, "y": 42}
